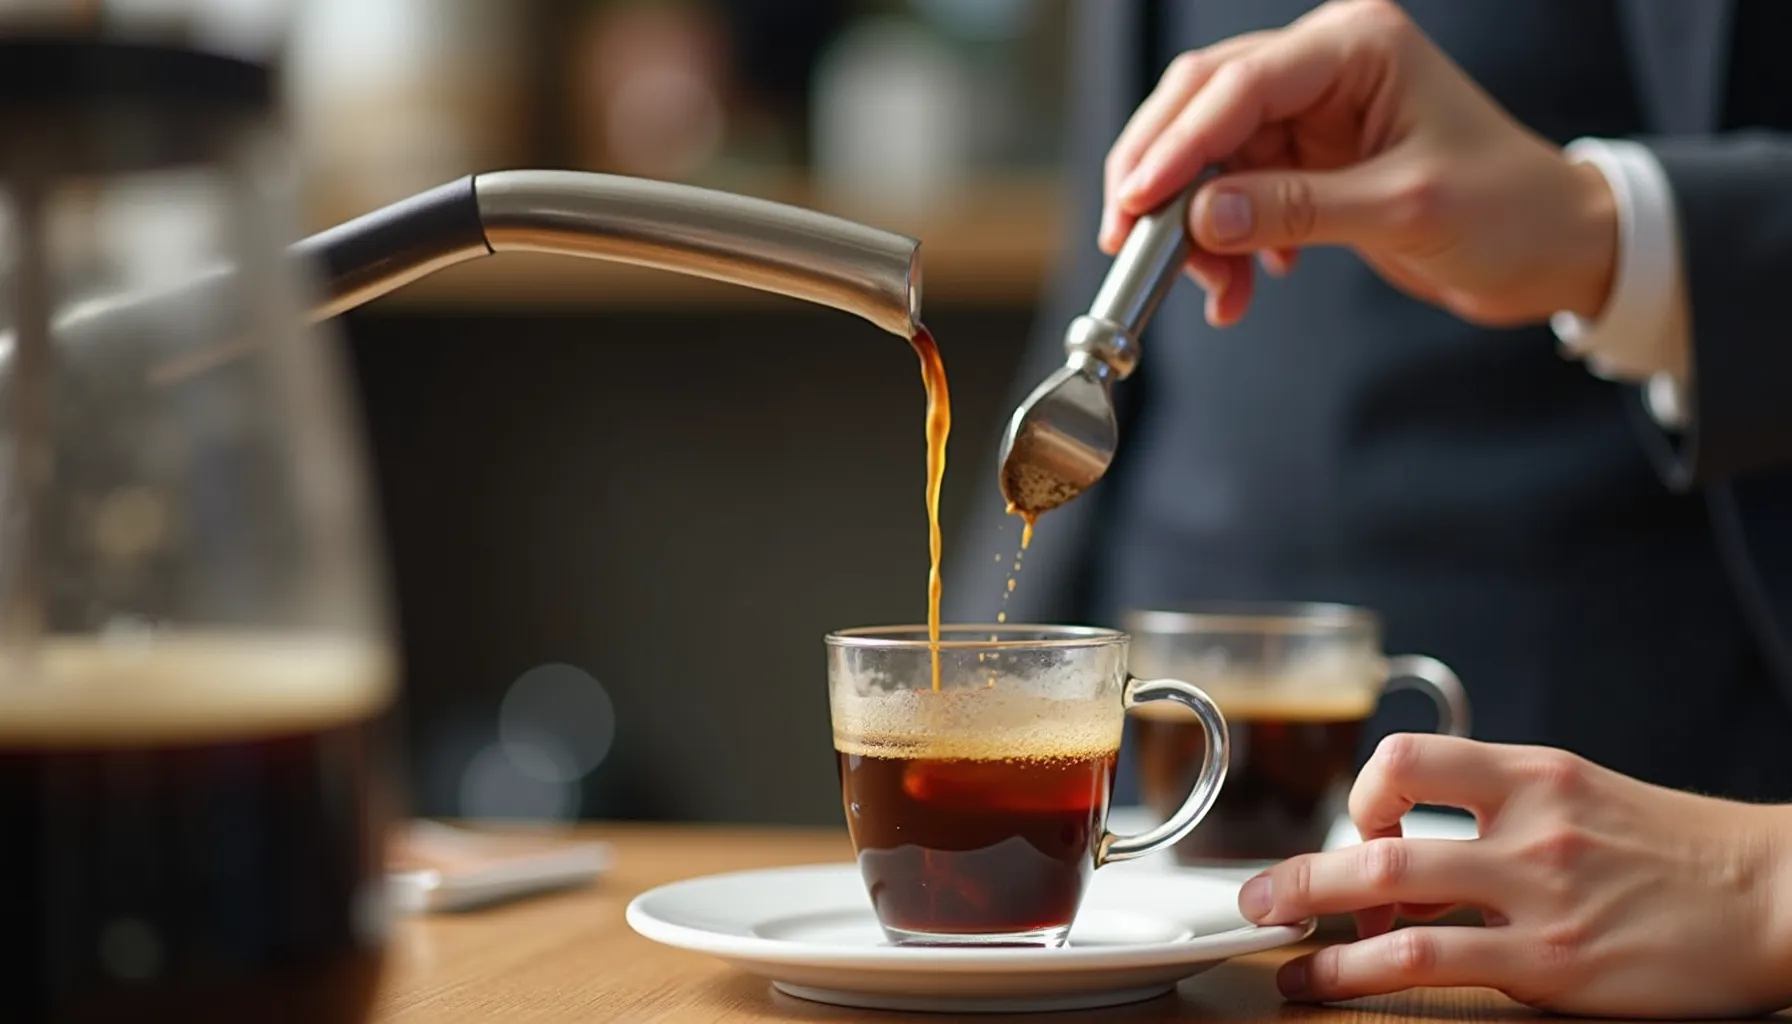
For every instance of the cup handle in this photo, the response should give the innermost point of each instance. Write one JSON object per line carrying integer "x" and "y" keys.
{"x": 1207, "y": 785}
{"x": 1437, "y": 681}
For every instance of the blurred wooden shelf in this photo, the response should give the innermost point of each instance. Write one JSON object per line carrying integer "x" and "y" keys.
{"x": 993, "y": 243}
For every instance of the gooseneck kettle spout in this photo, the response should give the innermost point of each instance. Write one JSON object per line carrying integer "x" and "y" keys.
{"x": 760, "y": 244}
{"x": 769, "y": 246}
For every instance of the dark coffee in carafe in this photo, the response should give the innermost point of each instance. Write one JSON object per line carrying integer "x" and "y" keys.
{"x": 193, "y": 831}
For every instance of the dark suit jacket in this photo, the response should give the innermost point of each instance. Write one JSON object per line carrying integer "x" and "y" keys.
{"x": 1599, "y": 583}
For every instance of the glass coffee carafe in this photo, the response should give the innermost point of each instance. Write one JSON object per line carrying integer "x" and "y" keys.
{"x": 195, "y": 662}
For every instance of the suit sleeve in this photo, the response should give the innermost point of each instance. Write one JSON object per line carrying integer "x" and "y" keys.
{"x": 1733, "y": 201}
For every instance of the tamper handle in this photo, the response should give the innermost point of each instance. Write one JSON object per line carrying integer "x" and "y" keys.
{"x": 1135, "y": 286}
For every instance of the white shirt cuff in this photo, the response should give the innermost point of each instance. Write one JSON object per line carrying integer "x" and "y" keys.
{"x": 1641, "y": 335}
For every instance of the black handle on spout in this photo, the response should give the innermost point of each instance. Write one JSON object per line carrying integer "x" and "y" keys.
{"x": 388, "y": 248}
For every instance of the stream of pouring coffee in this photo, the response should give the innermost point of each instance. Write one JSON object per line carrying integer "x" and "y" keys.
{"x": 939, "y": 424}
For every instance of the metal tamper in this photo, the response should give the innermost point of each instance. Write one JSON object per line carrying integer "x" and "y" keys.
{"x": 1062, "y": 438}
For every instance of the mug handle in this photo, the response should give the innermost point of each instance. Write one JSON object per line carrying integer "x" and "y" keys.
{"x": 1207, "y": 785}
{"x": 1437, "y": 681}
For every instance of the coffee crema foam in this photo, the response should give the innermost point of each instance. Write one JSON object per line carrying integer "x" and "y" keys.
{"x": 189, "y": 688}
{"x": 980, "y": 724}
{"x": 1257, "y": 700}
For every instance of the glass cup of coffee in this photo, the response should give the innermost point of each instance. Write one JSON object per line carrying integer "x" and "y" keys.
{"x": 977, "y": 798}
{"x": 1296, "y": 683}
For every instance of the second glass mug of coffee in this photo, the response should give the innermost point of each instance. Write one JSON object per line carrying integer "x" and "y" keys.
{"x": 1297, "y": 683}
{"x": 978, "y": 809}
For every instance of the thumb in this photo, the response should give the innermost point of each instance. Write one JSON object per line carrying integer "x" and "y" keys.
{"x": 1242, "y": 213}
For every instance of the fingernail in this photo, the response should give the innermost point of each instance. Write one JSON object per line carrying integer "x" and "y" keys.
{"x": 1292, "y": 979}
{"x": 1209, "y": 281}
{"x": 1135, "y": 181}
{"x": 1253, "y": 899}
{"x": 1211, "y": 310}
{"x": 1229, "y": 216}
{"x": 1107, "y": 225}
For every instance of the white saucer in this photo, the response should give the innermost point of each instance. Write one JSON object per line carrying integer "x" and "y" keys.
{"x": 811, "y": 931}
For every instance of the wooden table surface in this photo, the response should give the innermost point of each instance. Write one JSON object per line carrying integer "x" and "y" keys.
{"x": 571, "y": 957}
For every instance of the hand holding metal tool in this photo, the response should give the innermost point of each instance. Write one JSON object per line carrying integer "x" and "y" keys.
{"x": 1062, "y": 438}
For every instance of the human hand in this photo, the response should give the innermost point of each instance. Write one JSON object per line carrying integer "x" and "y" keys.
{"x": 1350, "y": 127}
{"x": 1603, "y": 895}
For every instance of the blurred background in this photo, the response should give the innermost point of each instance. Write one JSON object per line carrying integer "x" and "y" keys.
{"x": 587, "y": 631}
